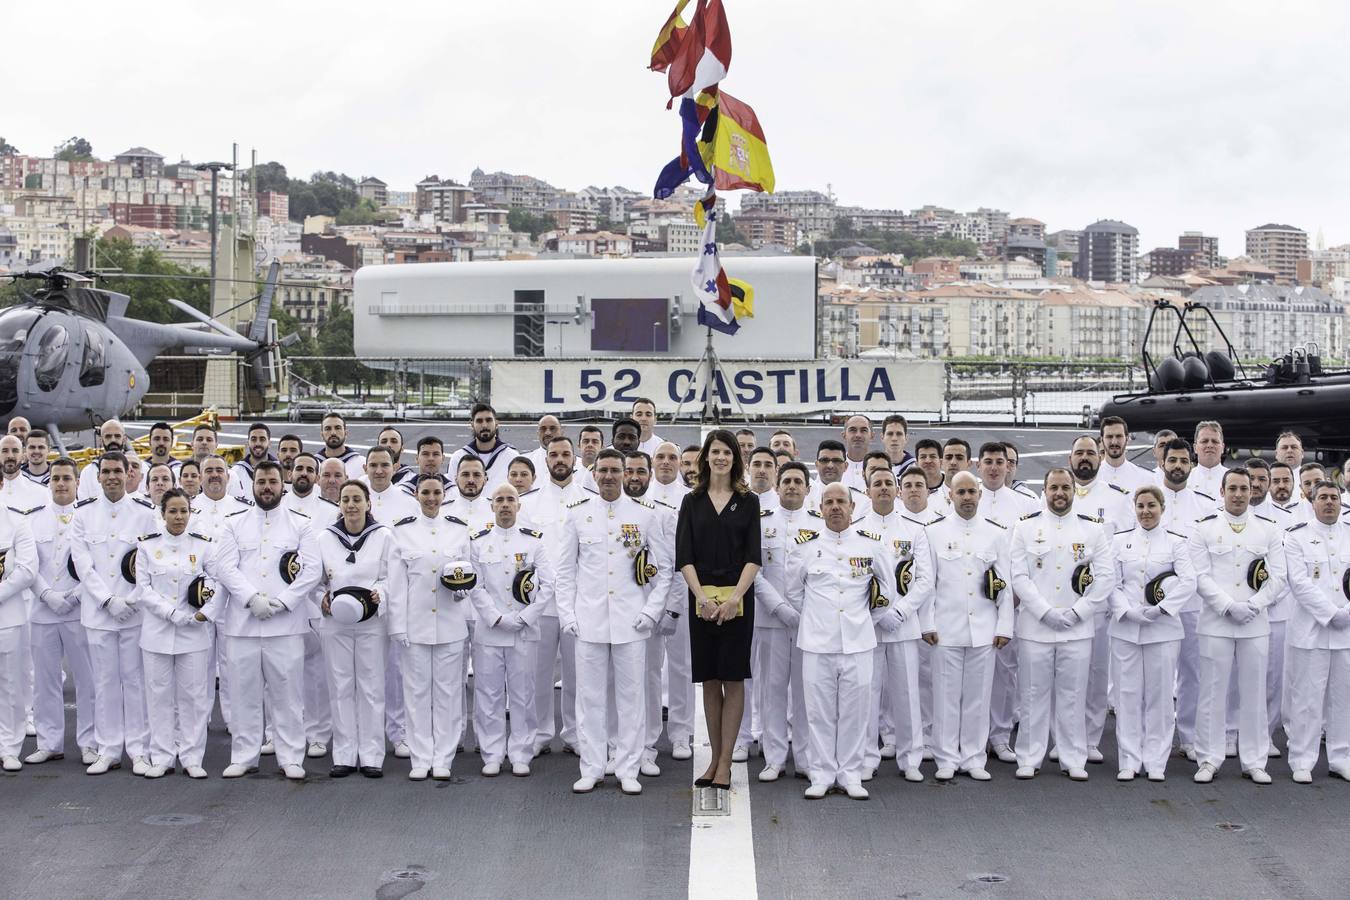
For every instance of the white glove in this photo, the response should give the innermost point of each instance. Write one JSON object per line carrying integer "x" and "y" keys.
{"x": 1136, "y": 615}
{"x": 643, "y": 624}
{"x": 1341, "y": 618}
{"x": 1241, "y": 612}
{"x": 277, "y": 605}
{"x": 891, "y": 620}
{"x": 57, "y": 602}
{"x": 669, "y": 625}
{"x": 571, "y": 628}
{"x": 1056, "y": 619}
{"x": 788, "y": 615}
{"x": 178, "y": 617}
{"x": 1151, "y": 613}
{"x": 401, "y": 639}
{"x": 511, "y": 623}
{"x": 192, "y": 620}
{"x": 120, "y": 610}
{"x": 260, "y": 606}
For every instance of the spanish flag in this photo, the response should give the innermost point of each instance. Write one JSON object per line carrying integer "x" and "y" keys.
{"x": 740, "y": 155}
{"x": 668, "y": 40}
{"x": 702, "y": 52}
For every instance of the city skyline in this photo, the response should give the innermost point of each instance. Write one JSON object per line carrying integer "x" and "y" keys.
{"x": 1154, "y": 121}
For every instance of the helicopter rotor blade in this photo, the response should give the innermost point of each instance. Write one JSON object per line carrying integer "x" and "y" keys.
{"x": 258, "y": 330}
{"x": 201, "y": 317}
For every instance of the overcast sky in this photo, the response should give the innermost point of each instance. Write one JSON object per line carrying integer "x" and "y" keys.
{"x": 1172, "y": 116}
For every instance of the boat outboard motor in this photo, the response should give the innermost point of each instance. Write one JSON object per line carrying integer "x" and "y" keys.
{"x": 1221, "y": 368}
{"x": 1301, "y": 370}
{"x": 1314, "y": 358}
{"x": 1169, "y": 375}
{"x": 1195, "y": 374}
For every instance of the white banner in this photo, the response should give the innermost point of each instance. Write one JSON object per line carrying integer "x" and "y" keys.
{"x": 760, "y": 387}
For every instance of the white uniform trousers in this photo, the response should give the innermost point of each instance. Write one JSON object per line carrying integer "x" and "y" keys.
{"x": 545, "y": 676}
{"x": 219, "y": 674}
{"x": 1145, "y": 717}
{"x": 1277, "y": 689}
{"x": 838, "y": 701}
{"x": 13, "y": 713}
{"x": 1217, "y": 656}
{"x": 773, "y": 677}
{"x": 926, "y": 690}
{"x": 797, "y": 721}
{"x": 1097, "y": 700}
{"x": 267, "y": 672}
{"x": 595, "y": 665}
{"x": 318, "y": 710}
{"x": 750, "y": 720}
{"x": 1003, "y": 695}
{"x": 1319, "y": 698}
{"x": 1053, "y": 678}
{"x": 355, "y": 660}
{"x": 119, "y": 693}
{"x": 176, "y": 697}
{"x": 653, "y": 669}
{"x": 28, "y": 674}
{"x": 502, "y": 677}
{"x": 963, "y": 681}
{"x": 1188, "y": 678}
{"x": 679, "y": 684}
{"x": 567, "y": 652}
{"x": 51, "y": 643}
{"x": 433, "y": 691}
{"x": 895, "y": 675}
{"x": 395, "y": 724}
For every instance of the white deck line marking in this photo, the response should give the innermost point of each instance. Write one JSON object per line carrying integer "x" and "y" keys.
{"x": 721, "y": 848}
{"x": 1065, "y": 452}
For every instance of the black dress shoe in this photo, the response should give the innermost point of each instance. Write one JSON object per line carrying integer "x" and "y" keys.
{"x": 341, "y": 771}
{"x": 372, "y": 771}
{"x": 703, "y": 782}
{"x": 720, "y": 786}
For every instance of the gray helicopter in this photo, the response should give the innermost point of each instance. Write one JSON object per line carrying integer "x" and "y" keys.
{"x": 70, "y": 357}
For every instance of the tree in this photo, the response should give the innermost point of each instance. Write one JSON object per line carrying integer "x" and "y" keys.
{"x": 271, "y": 176}
{"x": 365, "y": 212}
{"x": 526, "y": 221}
{"x": 336, "y": 338}
{"x": 7, "y": 149}
{"x": 843, "y": 228}
{"x": 76, "y": 150}
{"x": 727, "y": 232}
{"x": 149, "y": 296}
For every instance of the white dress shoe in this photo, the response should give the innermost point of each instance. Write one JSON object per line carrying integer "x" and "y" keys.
{"x": 769, "y": 773}
{"x": 583, "y": 785}
{"x": 520, "y": 770}
{"x": 978, "y": 774}
{"x": 1077, "y": 774}
{"x": 1125, "y": 775}
{"x": 856, "y": 791}
{"x": 154, "y": 772}
{"x": 1230, "y": 749}
{"x": 1005, "y": 753}
{"x": 1204, "y": 774}
{"x": 1191, "y": 754}
{"x": 740, "y": 753}
{"x": 650, "y": 769}
{"x": 869, "y": 774}
{"x": 401, "y": 750}
{"x": 630, "y": 786}
{"x": 817, "y": 790}
{"x": 913, "y": 774}
{"x": 10, "y": 763}
{"x": 38, "y": 757}
{"x": 888, "y": 751}
{"x": 195, "y": 772}
{"x": 1054, "y": 754}
{"x": 293, "y": 772}
{"x": 609, "y": 766}
{"x": 945, "y": 774}
{"x": 1157, "y": 776}
{"x": 30, "y": 728}
{"x": 1258, "y": 776}
{"x": 316, "y": 749}
{"x": 139, "y": 765}
{"x": 237, "y": 770}
{"x": 269, "y": 748}
{"x": 1339, "y": 772}
{"x": 103, "y": 765}
{"x": 440, "y": 773}
{"x": 681, "y": 750}
{"x": 88, "y": 755}
{"x": 492, "y": 770}
{"x": 927, "y": 754}
{"x": 1302, "y": 776}
{"x": 1273, "y": 752}
{"x": 418, "y": 773}
{"x": 1025, "y": 772}
{"x": 1094, "y": 755}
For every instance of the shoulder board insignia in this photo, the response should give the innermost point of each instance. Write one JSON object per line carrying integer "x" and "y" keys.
{"x": 590, "y": 490}
{"x": 1125, "y": 530}
{"x": 27, "y": 512}
{"x": 406, "y": 520}
{"x": 531, "y": 532}
{"x": 647, "y": 503}
{"x": 1173, "y": 534}
{"x": 1030, "y": 515}
{"x": 146, "y": 503}
{"x": 857, "y": 520}
{"x": 1116, "y": 487}
{"x": 937, "y": 520}
{"x": 85, "y": 502}
{"x": 237, "y": 512}
{"x": 1296, "y": 527}
{"x": 299, "y": 513}
{"x": 765, "y": 512}
{"x": 854, "y": 489}
{"x": 329, "y": 502}
{"x": 484, "y": 533}
{"x": 663, "y": 503}
{"x": 1208, "y": 517}
{"x": 146, "y": 537}
{"x": 576, "y": 503}
{"x": 814, "y": 513}
{"x": 1206, "y": 496}
{"x": 530, "y": 491}
{"x": 248, "y": 502}
{"x": 1093, "y": 519}
{"x": 200, "y": 537}
{"x": 454, "y": 519}
{"x": 805, "y": 535}
{"x": 1263, "y": 518}
{"x": 915, "y": 521}
{"x": 993, "y": 522}
{"x": 869, "y": 534}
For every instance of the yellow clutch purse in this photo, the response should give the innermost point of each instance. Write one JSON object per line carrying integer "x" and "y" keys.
{"x": 719, "y": 594}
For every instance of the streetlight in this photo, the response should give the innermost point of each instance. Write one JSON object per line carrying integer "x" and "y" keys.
{"x": 214, "y": 168}
{"x": 655, "y": 326}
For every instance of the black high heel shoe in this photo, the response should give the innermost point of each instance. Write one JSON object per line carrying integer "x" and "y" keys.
{"x": 703, "y": 782}
{"x": 721, "y": 787}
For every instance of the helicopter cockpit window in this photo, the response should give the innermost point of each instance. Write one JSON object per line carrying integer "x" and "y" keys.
{"x": 91, "y": 367}
{"x": 52, "y": 352}
{"x": 14, "y": 327}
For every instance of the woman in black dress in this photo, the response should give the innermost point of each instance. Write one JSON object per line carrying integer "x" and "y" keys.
{"x": 717, "y": 551}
